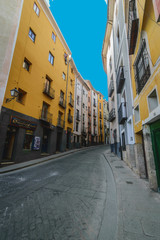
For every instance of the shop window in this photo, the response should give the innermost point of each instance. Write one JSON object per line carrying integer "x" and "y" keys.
{"x": 28, "y": 139}
{"x": 21, "y": 96}
{"x": 152, "y": 100}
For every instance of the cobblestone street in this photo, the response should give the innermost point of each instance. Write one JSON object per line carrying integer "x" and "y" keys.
{"x": 57, "y": 200}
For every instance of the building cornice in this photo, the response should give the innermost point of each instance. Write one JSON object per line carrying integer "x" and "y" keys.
{"x": 110, "y": 16}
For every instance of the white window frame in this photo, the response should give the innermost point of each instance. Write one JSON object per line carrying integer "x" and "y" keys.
{"x": 36, "y": 9}
{"x": 51, "y": 58}
{"x": 32, "y": 35}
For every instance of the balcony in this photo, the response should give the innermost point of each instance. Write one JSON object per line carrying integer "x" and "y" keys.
{"x": 70, "y": 118}
{"x": 94, "y": 115}
{"x": 133, "y": 25}
{"x": 94, "y": 104}
{"x": 120, "y": 79}
{"x": 89, "y": 130}
{"x": 112, "y": 115}
{"x": 95, "y": 124}
{"x": 89, "y": 112}
{"x": 95, "y": 133}
{"x": 71, "y": 102}
{"x": 83, "y": 130}
{"x": 60, "y": 123}
{"x": 122, "y": 115}
{"x": 89, "y": 122}
{"x": 50, "y": 92}
{"x": 100, "y": 116}
{"x": 62, "y": 103}
{"x": 111, "y": 88}
{"x": 100, "y": 126}
{"x": 45, "y": 116}
{"x": 78, "y": 117}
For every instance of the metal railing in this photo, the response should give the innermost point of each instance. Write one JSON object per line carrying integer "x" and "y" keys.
{"x": 71, "y": 101}
{"x": 50, "y": 92}
{"x": 120, "y": 79}
{"x": 45, "y": 116}
{"x": 60, "y": 123}
{"x": 62, "y": 103}
{"x": 112, "y": 115}
{"x": 111, "y": 88}
{"x": 122, "y": 114}
{"x": 70, "y": 118}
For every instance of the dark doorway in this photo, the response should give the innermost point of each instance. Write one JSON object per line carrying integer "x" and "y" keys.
{"x": 45, "y": 140}
{"x": 9, "y": 144}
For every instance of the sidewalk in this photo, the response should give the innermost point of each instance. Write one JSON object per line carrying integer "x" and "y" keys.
{"x": 30, "y": 163}
{"x": 138, "y": 206}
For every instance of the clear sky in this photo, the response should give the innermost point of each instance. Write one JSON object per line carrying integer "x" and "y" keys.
{"x": 83, "y": 24}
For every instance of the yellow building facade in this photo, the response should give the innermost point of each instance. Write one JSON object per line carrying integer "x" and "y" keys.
{"x": 40, "y": 119}
{"x": 144, "y": 51}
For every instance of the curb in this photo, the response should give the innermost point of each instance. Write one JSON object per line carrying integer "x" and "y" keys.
{"x": 37, "y": 161}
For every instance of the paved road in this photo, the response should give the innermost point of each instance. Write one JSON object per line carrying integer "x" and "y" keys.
{"x": 61, "y": 200}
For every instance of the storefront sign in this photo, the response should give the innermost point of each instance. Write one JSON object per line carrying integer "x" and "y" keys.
{"x": 19, "y": 122}
{"x": 36, "y": 143}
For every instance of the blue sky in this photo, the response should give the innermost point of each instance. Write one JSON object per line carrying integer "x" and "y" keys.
{"x": 82, "y": 24}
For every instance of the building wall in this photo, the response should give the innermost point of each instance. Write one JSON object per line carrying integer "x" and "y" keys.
{"x": 9, "y": 23}
{"x": 37, "y": 53}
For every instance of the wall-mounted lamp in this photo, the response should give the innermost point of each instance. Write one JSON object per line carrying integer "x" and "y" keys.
{"x": 14, "y": 94}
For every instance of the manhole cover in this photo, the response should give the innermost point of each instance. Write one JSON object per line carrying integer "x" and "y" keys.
{"x": 129, "y": 182}
{"x": 119, "y": 167}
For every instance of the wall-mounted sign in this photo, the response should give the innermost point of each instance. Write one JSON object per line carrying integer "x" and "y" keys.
{"x": 19, "y": 122}
{"x": 36, "y": 143}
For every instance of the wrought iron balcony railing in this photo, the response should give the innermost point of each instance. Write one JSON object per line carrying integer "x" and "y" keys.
{"x": 89, "y": 112}
{"x": 71, "y": 101}
{"x": 45, "y": 116}
{"x": 78, "y": 117}
{"x": 111, "y": 88}
{"x": 133, "y": 25}
{"x": 70, "y": 118}
{"x": 112, "y": 115}
{"x": 122, "y": 114}
{"x": 120, "y": 79}
{"x": 60, "y": 123}
{"x": 50, "y": 92}
{"x": 62, "y": 103}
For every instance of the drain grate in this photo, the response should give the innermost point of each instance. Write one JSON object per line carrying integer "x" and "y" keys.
{"x": 129, "y": 182}
{"x": 119, "y": 167}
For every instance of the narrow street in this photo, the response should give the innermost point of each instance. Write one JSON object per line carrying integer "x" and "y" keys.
{"x": 89, "y": 195}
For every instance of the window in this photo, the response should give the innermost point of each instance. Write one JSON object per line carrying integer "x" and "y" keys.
{"x": 65, "y": 58}
{"x": 32, "y": 35}
{"x": 21, "y": 96}
{"x": 83, "y": 105}
{"x": 77, "y": 113}
{"x": 71, "y": 82}
{"x": 141, "y": 67}
{"x": 99, "y": 96}
{"x": 71, "y": 70}
{"x": 44, "y": 114}
{"x": 28, "y": 139}
{"x": 152, "y": 100}
{"x": 77, "y": 100}
{"x": 100, "y": 105}
{"x": 26, "y": 64}
{"x": 88, "y": 99}
{"x": 110, "y": 64}
{"x": 36, "y": 9}
{"x": 53, "y": 37}
{"x": 77, "y": 126}
{"x": 123, "y": 142}
{"x": 83, "y": 117}
{"x": 64, "y": 76}
{"x": 118, "y": 37}
{"x": 50, "y": 58}
{"x": 137, "y": 114}
{"x": 83, "y": 92}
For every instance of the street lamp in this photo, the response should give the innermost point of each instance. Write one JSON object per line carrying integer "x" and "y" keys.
{"x": 68, "y": 61}
{"x": 14, "y": 94}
